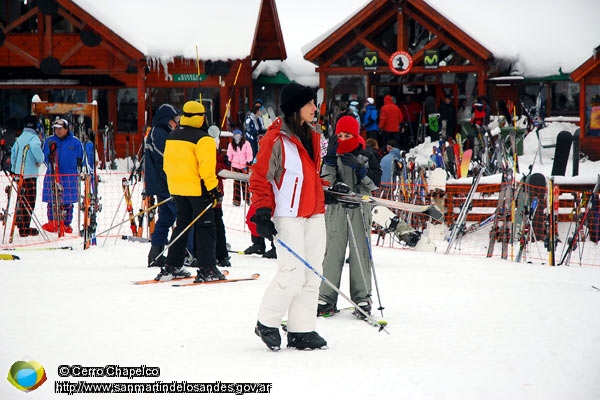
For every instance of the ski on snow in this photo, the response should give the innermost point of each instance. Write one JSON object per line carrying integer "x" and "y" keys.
{"x": 249, "y": 278}
{"x": 152, "y": 281}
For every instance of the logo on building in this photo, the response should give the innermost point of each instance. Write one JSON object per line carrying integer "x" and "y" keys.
{"x": 370, "y": 61}
{"x": 431, "y": 60}
{"x": 400, "y": 63}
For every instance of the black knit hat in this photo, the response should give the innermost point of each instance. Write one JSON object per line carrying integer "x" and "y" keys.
{"x": 294, "y": 96}
{"x": 30, "y": 121}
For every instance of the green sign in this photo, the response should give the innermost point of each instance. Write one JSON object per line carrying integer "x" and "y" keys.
{"x": 189, "y": 77}
{"x": 370, "y": 60}
{"x": 431, "y": 59}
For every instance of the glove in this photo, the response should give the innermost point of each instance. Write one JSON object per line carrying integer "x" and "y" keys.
{"x": 350, "y": 160}
{"x": 330, "y": 156}
{"x": 214, "y": 197}
{"x": 339, "y": 187}
{"x": 264, "y": 226}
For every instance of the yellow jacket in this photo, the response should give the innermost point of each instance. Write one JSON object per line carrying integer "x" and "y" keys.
{"x": 190, "y": 157}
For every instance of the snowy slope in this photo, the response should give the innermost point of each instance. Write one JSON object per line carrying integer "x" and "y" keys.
{"x": 460, "y": 328}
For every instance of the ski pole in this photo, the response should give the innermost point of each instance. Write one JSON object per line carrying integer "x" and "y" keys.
{"x": 141, "y": 212}
{"x": 182, "y": 232}
{"x": 360, "y": 263}
{"x": 381, "y": 307}
{"x": 381, "y": 324}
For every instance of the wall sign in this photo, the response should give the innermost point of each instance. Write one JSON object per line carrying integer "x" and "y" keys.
{"x": 431, "y": 60}
{"x": 400, "y": 63}
{"x": 370, "y": 60}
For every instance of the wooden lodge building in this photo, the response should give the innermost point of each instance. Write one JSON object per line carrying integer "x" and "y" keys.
{"x": 59, "y": 51}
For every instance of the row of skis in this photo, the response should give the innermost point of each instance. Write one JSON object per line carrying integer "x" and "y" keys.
{"x": 527, "y": 209}
{"x": 478, "y": 146}
{"x": 89, "y": 203}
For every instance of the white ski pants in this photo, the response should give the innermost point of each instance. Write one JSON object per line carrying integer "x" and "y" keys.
{"x": 295, "y": 288}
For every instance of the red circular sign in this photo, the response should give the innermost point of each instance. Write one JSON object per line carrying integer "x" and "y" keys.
{"x": 400, "y": 63}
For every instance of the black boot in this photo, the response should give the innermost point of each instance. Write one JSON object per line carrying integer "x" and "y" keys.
{"x": 155, "y": 250}
{"x": 306, "y": 340}
{"x": 258, "y": 246}
{"x": 271, "y": 253}
{"x": 270, "y": 336}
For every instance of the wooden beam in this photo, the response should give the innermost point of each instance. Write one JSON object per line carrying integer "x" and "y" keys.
{"x": 420, "y": 55}
{"x": 458, "y": 47}
{"x": 461, "y": 36}
{"x": 358, "y": 18}
{"x": 114, "y": 52}
{"x": 69, "y": 17}
{"x": 47, "y": 42}
{"x": 385, "y": 70}
{"x": 22, "y": 53}
{"x": 383, "y": 53}
{"x": 70, "y": 53}
{"x": 20, "y": 20}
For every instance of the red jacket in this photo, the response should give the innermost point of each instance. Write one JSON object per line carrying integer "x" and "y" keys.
{"x": 390, "y": 116}
{"x": 285, "y": 178}
{"x": 411, "y": 111}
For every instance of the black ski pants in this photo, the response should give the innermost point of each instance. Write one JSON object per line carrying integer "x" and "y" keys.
{"x": 205, "y": 234}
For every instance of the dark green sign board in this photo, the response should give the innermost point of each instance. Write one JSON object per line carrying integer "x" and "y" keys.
{"x": 189, "y": 77}
{"x": 431, "y": 59}
{"x": 370, "y": 60}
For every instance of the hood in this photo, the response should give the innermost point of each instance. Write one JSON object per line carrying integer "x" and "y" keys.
{"x": 164, "y": 114}
{"x": 387, "y": 99}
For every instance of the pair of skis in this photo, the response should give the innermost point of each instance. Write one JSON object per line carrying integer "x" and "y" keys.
{"x": 57, "y": 191}
{"x": 184, "y": 282}
{"x": 459, "y": 228}
{"x": 579, "y": 234}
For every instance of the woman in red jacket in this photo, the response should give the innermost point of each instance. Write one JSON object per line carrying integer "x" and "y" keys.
{"x": 287, "y": 192}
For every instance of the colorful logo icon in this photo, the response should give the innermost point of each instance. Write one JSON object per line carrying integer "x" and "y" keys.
{"x": 26, "y": 374}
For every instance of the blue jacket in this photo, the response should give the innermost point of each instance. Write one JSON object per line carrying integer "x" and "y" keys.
{"x": 370, "y": 118}
{"x": 154, "y": 148}
{"x": 90, "y": 156}
{"x": 35, "y": 156}
{"x": 387, "y": 163}
{"x": 69, "y": 152}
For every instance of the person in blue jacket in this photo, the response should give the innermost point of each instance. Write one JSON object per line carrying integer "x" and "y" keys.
{"x": 69, "y": 155}
{"x": 370, "y": 122}
{"x": 33, "y": 160}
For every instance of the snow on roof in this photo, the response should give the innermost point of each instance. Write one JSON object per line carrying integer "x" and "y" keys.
{"x": 540, "y": 36}
{"x": 221, "y": 30}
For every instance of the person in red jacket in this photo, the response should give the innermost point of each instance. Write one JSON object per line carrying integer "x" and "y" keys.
{"x": 287, "y": 191}
{"x": 390, "y": 121}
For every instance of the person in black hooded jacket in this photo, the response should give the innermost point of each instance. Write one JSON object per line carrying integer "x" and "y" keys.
{"x": 164, "y": 121}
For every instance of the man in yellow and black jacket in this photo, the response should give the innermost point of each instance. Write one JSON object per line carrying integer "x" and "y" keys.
{"x": 189, "y": 162}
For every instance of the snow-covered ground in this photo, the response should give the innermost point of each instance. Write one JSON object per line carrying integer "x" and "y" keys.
{"x": 460, "y": 327}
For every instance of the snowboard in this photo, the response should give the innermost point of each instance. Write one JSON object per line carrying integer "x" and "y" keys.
{"x": 537, "y": 188}
{"x": 437, "y": 187}
{"x": 576, "y": 137}
{"x": 450, "y": 159}
{"x": 561, "y": 153}
{"x": 465, "y": 162}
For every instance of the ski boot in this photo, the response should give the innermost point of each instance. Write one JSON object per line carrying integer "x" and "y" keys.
{"x": 306, "y": 340}
{"x": 269, "y": 336}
